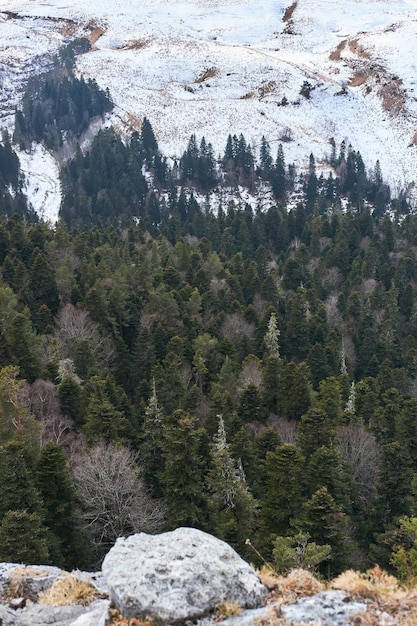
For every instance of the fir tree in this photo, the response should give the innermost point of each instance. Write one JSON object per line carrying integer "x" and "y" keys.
{"x": 231, "y": 504}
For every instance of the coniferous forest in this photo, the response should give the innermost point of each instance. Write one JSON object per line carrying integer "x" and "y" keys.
{"x": 169, "y": 361}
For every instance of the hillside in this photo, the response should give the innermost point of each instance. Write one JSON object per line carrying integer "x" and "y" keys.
{"x": 211, "y": 68}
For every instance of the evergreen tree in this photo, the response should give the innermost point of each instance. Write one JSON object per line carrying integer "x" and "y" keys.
{"x": 182, "y": 476}
{"x": 17, "y": 488}
{"x": 23, "y": 538}
{"x": 151, "y": 447}
{"x": 231, "y": 504}
{"x": 284, "y": 470}
{"x": 55, "y": 487}
{"x": 295, "y": 391}
{"x": 271, "y": 338}
{"x": 326, "y": 524}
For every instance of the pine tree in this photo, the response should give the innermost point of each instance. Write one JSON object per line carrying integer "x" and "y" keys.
{"x": 265, "y": 158}
{"x": 17, "y": 488}
{"x": 182, "y": 476}
{"x": 231, "y": 504}
{"x": 284, "y": 471}
{"x": 148, "y": 139}
{"x": 278, "y": 176}
{"x": 271, "y": 338}
{"x": 151, "y": 447}
{"x": 55, "y": 487}
{"x": 23, "y": 538}
{"x": 295, "y": 391}
{"x": 315, "y": 430}
{"x": 326, "y": 524}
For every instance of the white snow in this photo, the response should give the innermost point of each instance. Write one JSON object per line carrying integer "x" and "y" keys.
{"x": 42, "y": 182}
{"x": 153, "y": 56}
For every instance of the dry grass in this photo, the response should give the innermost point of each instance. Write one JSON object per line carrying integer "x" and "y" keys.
{"x": 70, "y": 589}
{"x": 118, "y": 620}
{"x": 211, "y": 72}
{"x": 17, "y": 585}
{"x": 386, "y": 600}
{"x": 247, "y": 96}
{"x": 374, "y": 584}
{"x": 284, "y": 589}
{"x": 227, "y": 609}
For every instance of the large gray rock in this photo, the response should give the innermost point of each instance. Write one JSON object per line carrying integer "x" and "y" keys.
{"x": 9, "y": 617}
{"x": 179, "y": 575}
{"x": 329, "y": 607}
{"x": 43, "y": 615}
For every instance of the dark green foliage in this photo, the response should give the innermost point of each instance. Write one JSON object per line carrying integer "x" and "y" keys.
{"x": 295, "y": 392}
{"x": 325, "y": 522}
{"x": 55, "y": 486}
{"x": 296, "y": 321}
{"x": 57, "y": 102}
{"x": 182, "y": 477}
{"x": 23, "y": 539}
{"x": 17, "y": 488}
{"x": 283, "y": 475}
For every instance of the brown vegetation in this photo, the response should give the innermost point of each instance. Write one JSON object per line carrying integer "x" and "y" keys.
{"x": 211, "y": 72}
{"x": 70, "y": 589}
{"x": 17, "y": 587}
{"x": 136, "y": 44}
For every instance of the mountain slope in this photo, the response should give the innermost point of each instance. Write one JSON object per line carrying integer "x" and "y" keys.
{"x": 214, "y": 68}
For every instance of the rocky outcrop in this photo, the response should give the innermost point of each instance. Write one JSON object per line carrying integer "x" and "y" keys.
{"x": 179, "y": 575}
{"x": 182, "y": 575}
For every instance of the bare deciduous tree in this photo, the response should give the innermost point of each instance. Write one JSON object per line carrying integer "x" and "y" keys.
{"x": 360, "y": 451}
{"x": 74, "y": 325}
{"x": 42, "y": 399}
{"x": 113, "y": 496}
{"x": 238, "y": 330}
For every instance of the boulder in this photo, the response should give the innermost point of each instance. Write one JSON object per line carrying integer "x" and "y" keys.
{"x": 178, "y": 575}
{"x": 329, "y": 607}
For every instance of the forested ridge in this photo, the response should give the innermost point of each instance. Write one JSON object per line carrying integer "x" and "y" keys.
{"x": 249, "y": 373}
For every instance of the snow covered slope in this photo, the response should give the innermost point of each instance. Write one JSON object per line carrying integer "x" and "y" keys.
{"x": 212, "y": 68}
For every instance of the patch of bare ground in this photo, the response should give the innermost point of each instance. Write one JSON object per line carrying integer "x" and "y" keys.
{"x": 359, "y": 78}
{"x": 69, "y": 28}
{"x": 289, "y": 12}
{"x": 359, "y": 50}
{"x": 266, "y": 88}
{"x": 95, "y": 35}
{"x": 247, "y": 96}
{"x": 287, "y": 18}
{"x": 335, "y": 54}
{"x": 136, "y": 44}
{"x": 210, "y": 72}
{"x": 392, "y": 95}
